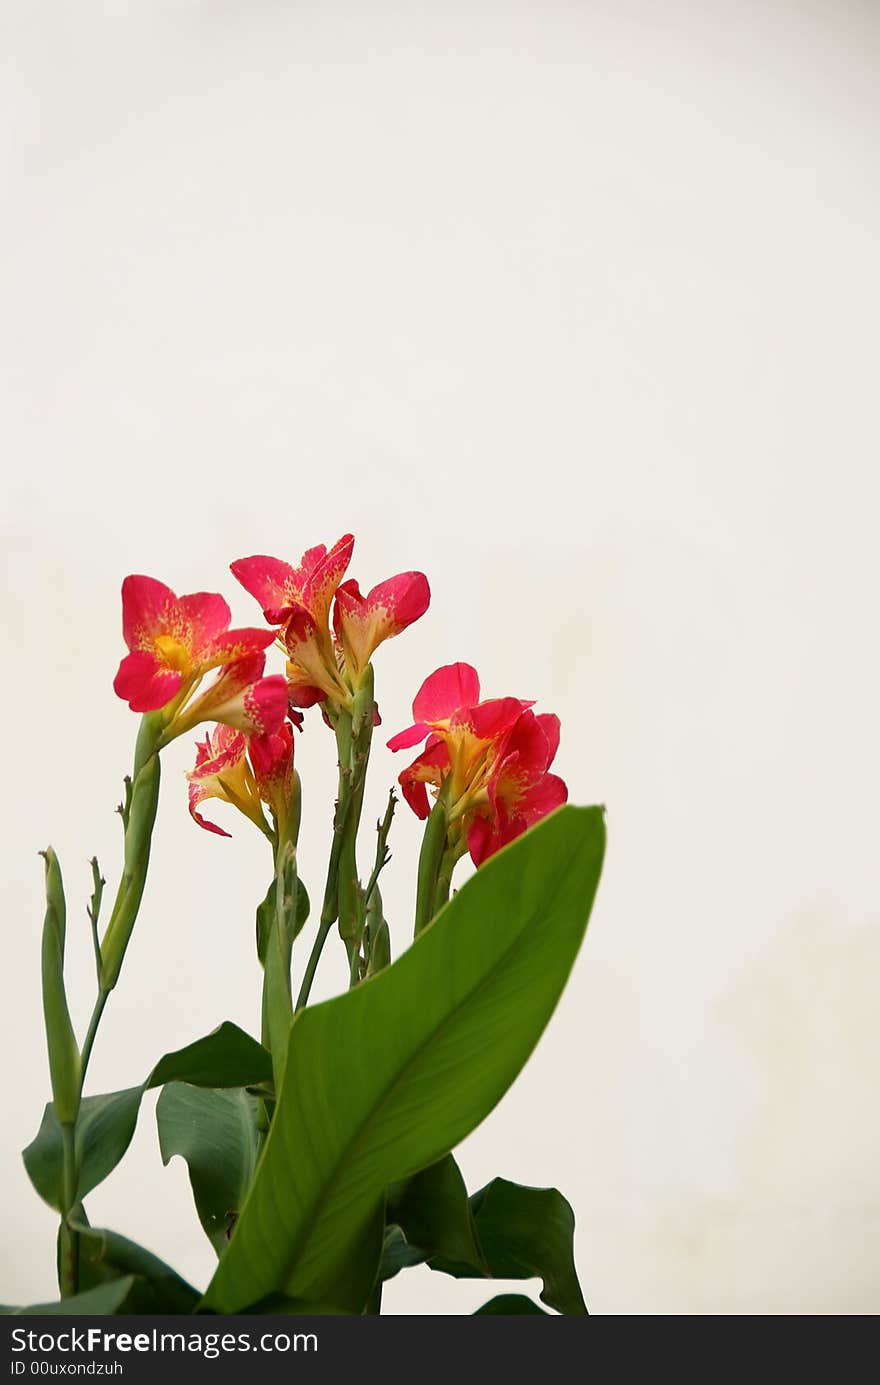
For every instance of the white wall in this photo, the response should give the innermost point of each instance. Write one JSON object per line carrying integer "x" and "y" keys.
{"x": 575, "y": 306}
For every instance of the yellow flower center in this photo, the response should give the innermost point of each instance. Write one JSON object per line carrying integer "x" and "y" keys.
{"x": 172, "y": 653}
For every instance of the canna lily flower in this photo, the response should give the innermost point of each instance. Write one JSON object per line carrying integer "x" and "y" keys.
{"x": 282, "y": 589}
{"x": 239, "y": 697}
{"x": 362, "y": 623}
{"x": 173, "y": 641}
{"x": 491, "y": 758}
{"x": 246, "y": 772}
{"x": 271, "y": 758}
{"x": 521, "y": 791}
{"x": 222, "y": 771}
{"x": 322, "y": 666}
{"x": 298, "y": 600}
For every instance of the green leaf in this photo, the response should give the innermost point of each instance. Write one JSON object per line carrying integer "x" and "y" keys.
{"x": 103, "y": 1133}
{"x": 398, "y": 1254}
{"x": 433, "y": 1215}
{"x": 225, "y": 1057}
{"x": 266, "y": 915}
{"x": 384, "y": 1080}
{"x": 101, "y": 1301}
{"x": 215, "y": 1132}
{"x": 507, "y": 1305}
{"x": 105, "y": 1257}
{"x": 525, "y": 1233}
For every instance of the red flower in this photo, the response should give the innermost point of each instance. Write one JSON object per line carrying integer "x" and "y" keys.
{"x": 271, "y": 758}
{"x": 281, "y": 589}
{"x": 362, "y": 623}
{"x": 494, "y": 755}
{"x": 521, "y": 792}
{"x": 239, "y": 697}
{"x": 323, "y": 666}
{"x": 246, "y": 772}
{"x": 298, "y": 600}
{"x": 173, "y": 640}
{"x": 221, "y": 771}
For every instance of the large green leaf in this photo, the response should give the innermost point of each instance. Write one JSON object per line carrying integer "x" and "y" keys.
{"x": 510, "y": 1305}
{"x": 105, "y": 1257}
{"x": 101, "y": 1301}
{"x": 227, "y": 1057}
{"x": 384, "y": 1080}
{"x": 525, "y": 1233}
{"x": 432, "y": 1216}
{"x": 215, "y": 1131}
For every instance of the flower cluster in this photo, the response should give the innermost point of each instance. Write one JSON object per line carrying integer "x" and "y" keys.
{"x": 487, "y": 760}
{"x": 490, "y": 760}
{"x": 326, "y": 664}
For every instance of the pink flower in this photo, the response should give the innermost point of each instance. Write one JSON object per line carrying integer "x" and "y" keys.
{"x": 221, "y": 771}
{"x": 298, "y": 600}
{"x": 174, "y": 640}
{"x": 493, "y": 755}
{"x": 246, "y": 772}
{"x": 521, "y": 791}
{"x": 241, "y": 698}
{"x": 271, "y": 758}
{"x": 282, "y": 589}
{"x": 327, "y": 666}
{"x": 362, "y": 623}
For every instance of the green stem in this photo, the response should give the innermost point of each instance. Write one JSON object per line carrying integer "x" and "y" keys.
{"x": 138, "y": 815}
{"x": 277, "y": 992}
{"x": 430, "y": 861}
{"x": 444, "y": 880}
{"x": 91, "y": 1032}
{"x": 68, "y": 1248}
{"x": 138, "y": 834}
{"x": 351, "y": 897}
{"x": 383, "y": 856}
{"x": 330, "y": 906}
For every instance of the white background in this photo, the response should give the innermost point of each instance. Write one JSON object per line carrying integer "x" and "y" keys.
{"x": 574, "y": 306}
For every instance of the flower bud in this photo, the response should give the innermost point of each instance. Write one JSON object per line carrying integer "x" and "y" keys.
{"x": 64, "y": 1058}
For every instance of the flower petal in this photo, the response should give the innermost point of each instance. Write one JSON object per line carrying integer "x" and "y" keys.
{"x": 271, "y": 757}
{"x": 445, "y": 691}
{"x": 490, "y": 720}
{"x": 264, "y": 706}
{"x": 550, "y": 725}
{"x": 549, "y": 793}
{"x": 365, "y": 622}
{"x": 302, "y": 694}
{"x": 146, "y": 606}
{"x": 323, "y": 572}
{"x": 197, "y": 795}
{"x": 411, "y": 736}
{"x": 144, "y": 683}
{"x": 275, "y": 584}
{"x": 485, "y": 838}
{"x": 230, "y": 645}
{"x": 430, "y": 767}
{"x": 527, "y": 747}
{"x": 479, "y": 839}
{"x": 219, "y": 754}
{"x": 239, "y": 697}
{"x": 203, "y": 616}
